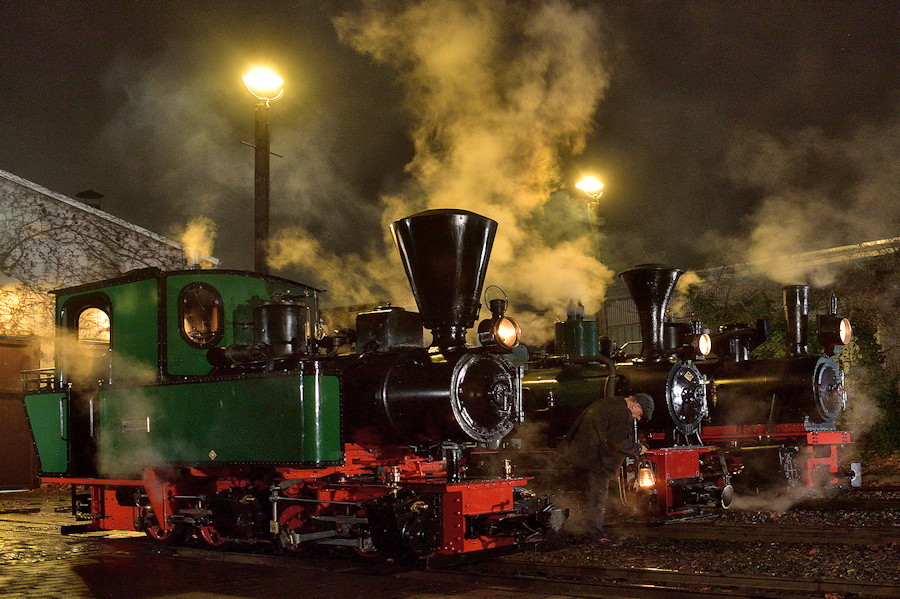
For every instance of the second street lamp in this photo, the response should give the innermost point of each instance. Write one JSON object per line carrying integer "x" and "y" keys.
{"x": 593, "y": 189}
{"x": 591, "y": 186}
{"x": 266, "y": 86}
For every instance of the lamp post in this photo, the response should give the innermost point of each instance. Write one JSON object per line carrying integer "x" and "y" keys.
{"x": 266, "y": 86}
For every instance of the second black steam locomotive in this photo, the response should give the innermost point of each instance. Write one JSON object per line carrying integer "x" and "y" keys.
{"x": 721, "y": 418}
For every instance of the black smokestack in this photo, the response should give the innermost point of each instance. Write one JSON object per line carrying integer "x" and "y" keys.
{"x": 445, "y": 254}
{"x": 796, "y": 315}
{"x": 650, "y": 286}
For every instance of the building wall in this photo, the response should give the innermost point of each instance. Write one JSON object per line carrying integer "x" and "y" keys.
{"x": 49, "y": 241}
{"x": 19, "y": 465}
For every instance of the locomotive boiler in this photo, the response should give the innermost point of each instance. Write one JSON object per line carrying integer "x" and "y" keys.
{"x": 210, "y": 406}
{"x": 448, "y": 391}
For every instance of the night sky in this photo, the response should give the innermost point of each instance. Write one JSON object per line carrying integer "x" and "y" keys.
{"x": 724, "y": 131}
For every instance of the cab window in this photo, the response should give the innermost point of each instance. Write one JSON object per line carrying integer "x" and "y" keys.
{"x": 86, "y": 335}
{"x": 201, "y": 315}
{"x": 93, "y": 332}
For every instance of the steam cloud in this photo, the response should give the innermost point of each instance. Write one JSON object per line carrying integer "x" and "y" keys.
{"x": 496, "y": 91}
{"x": 820, "y": 191}
{"x": 492, "y": 95}
{"x": 686, "y": 281}
{"x": 198, "y": 238}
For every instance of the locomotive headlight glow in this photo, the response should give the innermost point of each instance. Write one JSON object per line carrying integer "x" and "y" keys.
{"x": 834, "y": 331}
{"x": 845, "y": 331}
{"x": 508, "y": 332}
{"x": 503, "y": 331}
{"x": 704, "y": 344}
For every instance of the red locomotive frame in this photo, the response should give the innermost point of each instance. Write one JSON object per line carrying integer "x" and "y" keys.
{"x": 167, "y": 497}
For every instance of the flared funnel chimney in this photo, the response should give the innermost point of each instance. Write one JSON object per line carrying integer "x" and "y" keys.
{"x": 650, "y": 286}
{"x": 445, "y": 253}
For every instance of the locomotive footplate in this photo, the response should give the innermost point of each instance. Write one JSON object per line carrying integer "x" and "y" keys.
{"x": 478, "y": 515}
{"x": 817, "y": 460}
{"x": 684, "y": 484}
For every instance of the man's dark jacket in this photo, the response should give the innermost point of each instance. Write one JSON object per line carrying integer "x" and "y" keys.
{"x": 602, "y": 437}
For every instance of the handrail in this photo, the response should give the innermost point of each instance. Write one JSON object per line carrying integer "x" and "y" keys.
{"x": 38, "y": 378}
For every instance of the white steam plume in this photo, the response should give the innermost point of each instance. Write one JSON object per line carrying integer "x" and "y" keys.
{"x": 820, "y": 191}
{"x": 198, "y": 238}
{"x": 678, "y": 304}
{"x": 496, "y": 91}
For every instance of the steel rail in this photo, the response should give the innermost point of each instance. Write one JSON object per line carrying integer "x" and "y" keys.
{"x": 635, "y": 581}
{"x": 781, "y": 533}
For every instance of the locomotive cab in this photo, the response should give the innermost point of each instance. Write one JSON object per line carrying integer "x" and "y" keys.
{"x": 150, "y": 330}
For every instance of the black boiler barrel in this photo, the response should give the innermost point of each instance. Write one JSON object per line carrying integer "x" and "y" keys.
{"x": 417, "y": 396}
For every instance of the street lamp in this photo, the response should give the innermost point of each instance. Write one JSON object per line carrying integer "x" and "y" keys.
{"x": 592, "y": 188}
{"x": 267, "y": 87}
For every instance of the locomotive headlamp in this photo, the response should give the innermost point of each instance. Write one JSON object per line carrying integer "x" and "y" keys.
{"x": 696, "y": 344}
{"x": 687, "y": 340}
{"x": 834, "y": 331}
{"x": 703, "y": 343}
{"x": 499, "y": 330}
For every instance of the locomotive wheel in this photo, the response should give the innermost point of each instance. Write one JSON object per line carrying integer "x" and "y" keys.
{"x": 160, "y": 536}
{"x": 368, "y": 551}
{"x": 173, "y": 536}
{"x": 293, "y": 518}
{"x": 210, "y": 535}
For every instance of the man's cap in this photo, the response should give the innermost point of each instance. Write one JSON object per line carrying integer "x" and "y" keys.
{"x": 646, "y": 403}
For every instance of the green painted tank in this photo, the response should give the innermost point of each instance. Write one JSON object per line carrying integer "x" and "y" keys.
{"x": 577, "y": 338}
{"x": 133, "y": 387}
{"x": 286, "y": 418}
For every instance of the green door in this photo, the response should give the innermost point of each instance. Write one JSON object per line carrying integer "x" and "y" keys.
{"x": 48, "y": 417}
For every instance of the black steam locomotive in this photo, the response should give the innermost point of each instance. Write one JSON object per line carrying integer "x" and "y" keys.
{"x": 208, "y": 405}
{"x": 720, "y": 419}
{"x": 777, "y": 416}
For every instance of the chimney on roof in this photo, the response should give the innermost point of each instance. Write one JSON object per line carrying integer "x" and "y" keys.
{"x": 90, "y": 197}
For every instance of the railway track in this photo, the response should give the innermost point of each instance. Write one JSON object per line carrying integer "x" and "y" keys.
{"x": 596, "y": 581}
{"x": 575, "y": 573}
{"x": 531, "y": 580}
{"x": 775, "y": 533}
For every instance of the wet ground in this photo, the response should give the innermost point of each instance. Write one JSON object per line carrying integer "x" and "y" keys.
{"x": 36, "y": 560}
{"x": 847, "y": 535}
